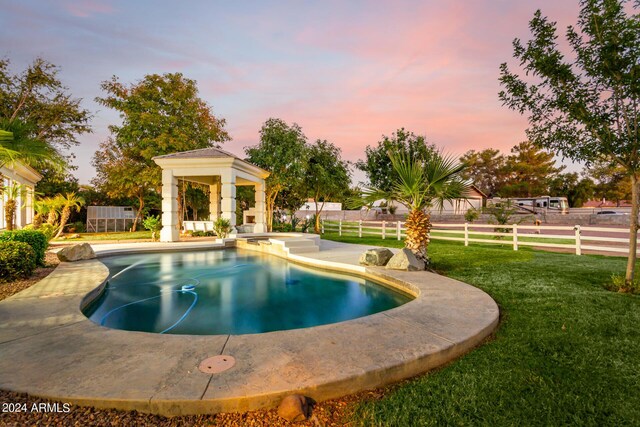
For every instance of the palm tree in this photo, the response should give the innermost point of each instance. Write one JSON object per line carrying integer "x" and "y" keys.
{"x": 68, "y": 202}
{"x": 53, "y": 206}
{"x": 17, "y": 143}
{"x": 11, "y": 192}
{"x": 41, "y": 209}
{"x": 421, "y": 186}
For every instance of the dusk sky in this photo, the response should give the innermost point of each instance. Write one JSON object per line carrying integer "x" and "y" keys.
{"x": 345, "y": 71}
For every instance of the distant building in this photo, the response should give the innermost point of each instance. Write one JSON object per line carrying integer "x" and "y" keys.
{"x": 27, "y": 177}
{"x": 310, "y": 205}
{"x": 474, "y": 200}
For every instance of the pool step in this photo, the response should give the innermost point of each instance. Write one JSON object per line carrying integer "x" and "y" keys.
{"x": 299, "y": 246}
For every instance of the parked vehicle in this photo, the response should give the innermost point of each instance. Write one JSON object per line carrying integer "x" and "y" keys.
{"x": 534, "y": 205}
{"x": 611, "y": 213}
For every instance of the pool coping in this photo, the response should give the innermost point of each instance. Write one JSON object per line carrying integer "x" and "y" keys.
{"x": 48, "y": 348}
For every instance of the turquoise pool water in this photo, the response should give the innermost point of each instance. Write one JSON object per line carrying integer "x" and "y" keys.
{"x": 229, "y": 292}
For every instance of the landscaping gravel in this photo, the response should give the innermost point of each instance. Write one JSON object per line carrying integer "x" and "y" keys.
{"x": 8, "y": 289}
{"x": 335, "y": 412}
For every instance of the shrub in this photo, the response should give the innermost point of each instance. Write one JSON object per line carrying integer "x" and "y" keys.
{"x": 222, "y": 227}
{"x": 203, "y": 234}
{"x": 618, "y": 284}
{"x": 283, "y": 227}
{"x": 34, "y": 238}
{"x": 153, "y": 224}
{"x": 49, "y": 230}
{"x": 471, "y": 215}
{"x": 17, "y": 259}
{"x": 76, "y": 227}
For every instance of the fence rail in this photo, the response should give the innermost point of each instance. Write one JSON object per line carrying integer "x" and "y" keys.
{"x": 515, "y": 235}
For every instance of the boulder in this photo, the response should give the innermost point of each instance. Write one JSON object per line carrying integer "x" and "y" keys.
{"x": 76, "y": 253}
{"x": 376, "y": 256}
{"x": 405, "y": 260}
{"x": 293, "y": 408}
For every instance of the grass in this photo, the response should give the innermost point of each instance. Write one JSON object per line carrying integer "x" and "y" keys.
{"x": 567, "y": 351}
{"x": 124, "y": 235}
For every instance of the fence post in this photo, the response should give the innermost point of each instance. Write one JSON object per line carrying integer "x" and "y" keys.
{"x": 384, "y": 229}
{"x": 359, "y": 228}
{"x": 578, "y": 240}
{"x": 466, "y": 234}
{"x": 398, "y": 232}
{"x": 515, "y": 237}
{"x": 340, "y": 227}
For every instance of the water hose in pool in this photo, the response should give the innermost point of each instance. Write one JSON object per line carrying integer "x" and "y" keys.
{"x": 188, "y": 289}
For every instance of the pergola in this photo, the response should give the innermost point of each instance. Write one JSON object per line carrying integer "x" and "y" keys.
{"x": 222, "y": 172}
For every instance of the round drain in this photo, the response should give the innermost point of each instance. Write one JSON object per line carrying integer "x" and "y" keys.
{"x": 217, "y": 364}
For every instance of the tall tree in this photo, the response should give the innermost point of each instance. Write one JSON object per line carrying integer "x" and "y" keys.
{"x": 576, "y": 190}
{"x": 528, "y": 171}
{"x": 612, "y": 181}
{"x": 160, "y": 114}
{"x": 38, "y": 109}
{"x": 326, "y": 175}
{"x": 585, "y": 107}
{"x": 378, "y": 165}
{"x": 282, "y": 152}
{"x": 120, "y": 176}
{"x": 485, "y": 169}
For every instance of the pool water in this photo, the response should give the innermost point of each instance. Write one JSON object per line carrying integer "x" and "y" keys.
{"x": 229, "y": 292}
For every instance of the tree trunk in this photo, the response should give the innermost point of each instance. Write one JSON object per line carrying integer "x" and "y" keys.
{"x": 270, "y": 202}
{"x": 37, "y": 221}
{"x": 633, "y": 231}
{"x": 66, "y": 213}
{"x": 138, "y": 214}
{"x": 51, "y": 218}
{"x": 9, "y": 213}
{"x": 316, "y": 226}
{"x": 418, "y": 226}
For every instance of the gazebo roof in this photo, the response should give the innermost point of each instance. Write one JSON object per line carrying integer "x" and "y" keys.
{"x": 201, "y": 153}
{"x": 201, "y": 161}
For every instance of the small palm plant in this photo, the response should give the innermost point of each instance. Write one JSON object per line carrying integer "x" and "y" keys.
{"x": 420, "y": 186}
{"x": 222, "y": 227}
{"x": 41, "y": 209}
{"x": 68, "y": 202}
{"x": 154, "y": 224}
{"x": 53, "y": 207}
{"x": 11, "y": 192}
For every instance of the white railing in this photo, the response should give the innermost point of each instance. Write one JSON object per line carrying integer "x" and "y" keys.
{"x": 515, "y": 235}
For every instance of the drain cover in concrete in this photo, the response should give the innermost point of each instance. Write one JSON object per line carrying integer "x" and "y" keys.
{"x": 217, "y": 364}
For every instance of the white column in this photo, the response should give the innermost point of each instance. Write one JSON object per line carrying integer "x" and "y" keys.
{"x": 261, "y": 223}
{"x": 169, "y": 232}
{"x": 228, "y": 193}
{"x": 18, "y": 221}
{"x": 214, "y": 201}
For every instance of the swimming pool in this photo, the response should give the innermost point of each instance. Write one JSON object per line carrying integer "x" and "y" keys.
{"x": 229, "y": 292}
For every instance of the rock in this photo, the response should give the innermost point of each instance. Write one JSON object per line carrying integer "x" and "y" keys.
{"x": 376, "y": 256}
{"x": 76, "y": 253}
{"x": 293, "y": 408}
{"x": 405, "y": 260}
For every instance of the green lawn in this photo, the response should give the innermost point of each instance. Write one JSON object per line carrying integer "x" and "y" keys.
{"x": 567, "y": 351}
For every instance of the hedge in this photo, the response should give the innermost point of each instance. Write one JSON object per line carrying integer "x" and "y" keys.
{"x": 17, "y": 259}
{"x": 34, "y": 238}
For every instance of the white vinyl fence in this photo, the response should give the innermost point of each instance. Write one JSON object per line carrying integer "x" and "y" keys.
{"x": 576, "y": 238}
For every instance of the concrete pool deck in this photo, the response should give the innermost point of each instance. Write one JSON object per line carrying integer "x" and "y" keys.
{"x": 48, "y": 348}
